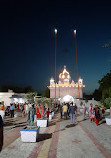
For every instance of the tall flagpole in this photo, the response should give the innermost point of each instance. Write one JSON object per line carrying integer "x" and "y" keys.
{"x": 55, "y": 62}
{"x": 77, "y": 63}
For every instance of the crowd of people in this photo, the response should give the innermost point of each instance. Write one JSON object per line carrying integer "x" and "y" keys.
{"x": 96, "y": 113}
{"x": 9, "y": 110}
{"x": 68, "y": 110}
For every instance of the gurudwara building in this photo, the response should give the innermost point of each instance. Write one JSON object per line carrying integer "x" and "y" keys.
{"x": 66, "y": 89}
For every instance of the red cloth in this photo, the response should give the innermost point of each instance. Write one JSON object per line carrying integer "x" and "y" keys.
{"x": 91, "y": 108}
{"x": 38, "y": 112}
{"x": 97, "y": 121}
{"x": 93, "y": 119}
{"x": 47, "y": 112}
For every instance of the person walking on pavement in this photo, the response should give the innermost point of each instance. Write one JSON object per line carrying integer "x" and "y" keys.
{"x": 72, "y": 112}
{"x": 65, "y": 110}
{"x": 12, "y": 110}
{"x": 47, "y": 113}
{"x": 75, "y": 111}
{"x": 2, "y": 112}
{"x": 68, "y": 106}
{"x": 1, "y": 133}
{"x": 61, "y": 110}
{"x": 91, "y": 112}
{"x": 97, "y": 115}
{"x": 102, "y": 110}
{"x": 84, "y": 111}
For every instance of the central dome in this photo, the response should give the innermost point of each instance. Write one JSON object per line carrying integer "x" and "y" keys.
{"x": 64, "y": 76}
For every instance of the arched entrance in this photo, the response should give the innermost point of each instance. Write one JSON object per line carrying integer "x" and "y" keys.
{"x": 67, "y": 98}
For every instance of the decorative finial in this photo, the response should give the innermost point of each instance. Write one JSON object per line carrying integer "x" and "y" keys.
{"x": 64, "y": 67}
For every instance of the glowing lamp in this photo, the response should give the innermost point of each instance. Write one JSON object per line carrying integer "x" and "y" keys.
{"x": 80, "y": 81}
{"x": 75, "y": 32}
{"x": 55, "y": 31}
{"x": 51, "y": 80}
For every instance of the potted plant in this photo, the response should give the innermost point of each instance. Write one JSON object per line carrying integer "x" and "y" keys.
{"x": 30, "y": 133}
{"x": 42, "y": 105}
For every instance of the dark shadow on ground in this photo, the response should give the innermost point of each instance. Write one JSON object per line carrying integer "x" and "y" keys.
{"x": 51, "y": 124}
{"x": 19, "y": 126}
{"x": 83, "y": 120}
{"x": 13, "y": 124}
{"x": 59, "y": 130}
{"x": 43, "y": 137}
{"x": 71, "y": 125}
{"x": 63, "y": 119}
{"x": 8, "y": 124}
{"x": 102, "y": 122}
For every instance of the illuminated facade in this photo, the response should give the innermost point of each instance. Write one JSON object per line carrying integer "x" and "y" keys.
{"x": 65, "y": 88}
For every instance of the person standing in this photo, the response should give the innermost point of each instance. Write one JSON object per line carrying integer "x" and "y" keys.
{"x": 31, "y": 115}
{"x": 97, "y": 115}
{"x": 72, "y": 112}
{"x": 23, "y": 110}
{"x": 65, "y": 110}
{"x": 75, "y": 111}
{"x": 91, "y": 113}
{"x": 1, "y": 133}
{"x": 38, "y": 111}
{"x": 47, "y": 112}
{"x": 44, "y": 108}
{"x": 12, "y": 110}
{"x": 27, "y": 108}
{"x": 102, "y": 110}
{"x": 68, "y": 106}
{"x": 61, "y": 110}
{"x": 84, "y": 111}
{"x": 18, "y": 106}
{"x": 2, "y": 112}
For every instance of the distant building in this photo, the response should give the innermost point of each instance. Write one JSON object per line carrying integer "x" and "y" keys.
{"x": 66, "y": 90}
{"x": 11, "y": 97}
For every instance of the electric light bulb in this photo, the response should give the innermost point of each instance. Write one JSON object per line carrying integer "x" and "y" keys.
{"x": 55, "y": 30}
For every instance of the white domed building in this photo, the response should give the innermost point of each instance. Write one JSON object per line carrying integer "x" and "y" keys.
{"x": 66, "y": 90}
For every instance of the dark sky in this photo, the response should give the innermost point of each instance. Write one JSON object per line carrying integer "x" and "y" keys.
{"x": 27, "y": 41}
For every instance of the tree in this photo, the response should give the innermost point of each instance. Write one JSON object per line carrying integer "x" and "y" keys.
{"x": 107, "y": 102}
{"x": 16, "y": 88}
{"x": 41, "y": 102}
{"x": 97, "y": 94}
{"x": 105, "y": 82}
{"x": 30, "y": 97}
{"x": 28, "y": 89}
{"x": 105, "y": 87}
{"x": 46, "y": 93}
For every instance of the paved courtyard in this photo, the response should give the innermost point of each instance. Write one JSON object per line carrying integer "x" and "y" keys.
{"x": 61, "y": 140}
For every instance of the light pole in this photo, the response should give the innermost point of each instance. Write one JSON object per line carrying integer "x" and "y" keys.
{"x": 55, "y": 62}
{"x": 77, "y": 62}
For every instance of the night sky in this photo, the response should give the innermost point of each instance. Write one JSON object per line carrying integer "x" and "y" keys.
{"x": 27, "y": 41}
